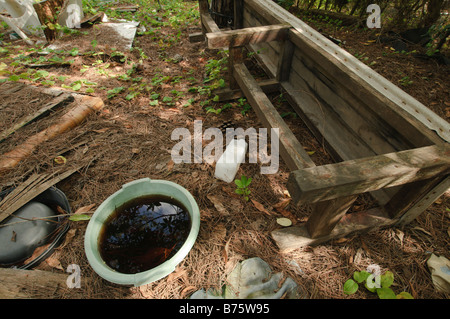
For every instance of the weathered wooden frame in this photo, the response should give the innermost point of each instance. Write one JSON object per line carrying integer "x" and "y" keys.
{"x": 384, "y": 141}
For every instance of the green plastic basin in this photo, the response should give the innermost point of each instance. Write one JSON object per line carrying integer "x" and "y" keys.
{"x": 129, "y": 191}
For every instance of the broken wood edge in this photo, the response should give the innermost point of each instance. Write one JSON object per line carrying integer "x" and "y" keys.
{"x": 243, "y": 37}
{"x": 295, "y": 237}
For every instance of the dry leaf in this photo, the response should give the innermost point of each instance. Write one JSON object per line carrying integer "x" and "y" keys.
{"x": 218, "y": 205}
{"x": 179, "y": 272}
{"x": 187, "y": 291}
{"x": 170, "y": 165}
{"x": 400, "y": 235}
{"x": 69, "y": 236}
{"x": 13, "y": 237}
{"x": 289, "y": 215}
{"x": 54, "y": 263}
{"x": 259, "y": 207}
{"x": 219, "y": 233}
{"x": 282, "y": 204}
{"x": 340, "y": 240}
{"x": 84, "y": 209}
{"x": 61, "y": 210}
{"x": 37, "y": 252}
{"x": 135, "y": 150}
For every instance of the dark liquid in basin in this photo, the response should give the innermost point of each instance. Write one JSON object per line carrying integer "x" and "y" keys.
{"x": 143, "y": 233}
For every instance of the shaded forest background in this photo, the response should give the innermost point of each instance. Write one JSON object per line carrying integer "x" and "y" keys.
{"x": 396, "y": 16}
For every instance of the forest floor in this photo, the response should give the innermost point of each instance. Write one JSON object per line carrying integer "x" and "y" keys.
{"x": 160, "y": 86}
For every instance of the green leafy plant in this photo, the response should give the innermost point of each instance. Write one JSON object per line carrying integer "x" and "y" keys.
{"x": 381, "y": 288}
{"x": 242, "y": 186}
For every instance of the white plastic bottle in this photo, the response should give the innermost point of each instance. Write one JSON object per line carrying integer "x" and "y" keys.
{"x": 228, "y": 164}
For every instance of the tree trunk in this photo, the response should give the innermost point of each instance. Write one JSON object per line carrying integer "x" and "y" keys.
{"x": 433, "y": 12}
{"x": 48, "y": 12}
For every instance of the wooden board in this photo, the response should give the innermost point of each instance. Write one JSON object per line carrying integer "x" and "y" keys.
{"x": 353, "y": 177}
{"x": 290, "y": 149}
{"x": 400, "y": 110}
{"x": 242, "y": 37}
{"x": 31, "y": 284}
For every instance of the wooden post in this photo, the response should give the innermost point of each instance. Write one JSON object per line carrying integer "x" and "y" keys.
{"x": 238, "y": 14}
{"x": 326, "y": 215}
{"x": 285, "y": 60}
{"x": 235, "y": 57}
{"x": 203, "y": 8}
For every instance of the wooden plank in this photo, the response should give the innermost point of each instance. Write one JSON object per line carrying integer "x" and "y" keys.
{"x": 265, "y": 53}
{"x": 326, "y": 126}
{"x": 242, "y": 37}
{"x": 31, "y": 284}
{"x": 235, "y": 57}
{"x": 226, "y": 94}
{"x": 209, "y": 24}
{"x": 291, "y": 150}
{"x": 373, "y": 130}
{"x": 338, "y": 138}
{"x": 196, "y": 37}
{"x": 359, "y": 176}
{"x": 285, "y": 61}
{"x": 365, "y": 83}
{"x": 34, "y": 186}
{"x": 432, "y": 191}
{"x": 291, "y": 238}
{"x": 415, "y": 196}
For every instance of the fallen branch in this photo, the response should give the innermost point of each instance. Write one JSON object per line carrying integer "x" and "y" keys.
{"x": 31, "y": 188}
{"x": 70, "y": 120}
{"x": 58, "y": 101}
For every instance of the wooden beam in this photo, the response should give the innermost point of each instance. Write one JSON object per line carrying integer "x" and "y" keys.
{"x": 242, "y": 37}
{"x": 325, "y": 216}
{"x": 209, "y": 24}
{"x": 414, "y": 198}
{"x": 291, "y": 238}
{"x": 227, "y": 94}
{"x": 434, "y": 190}
{"x": 358, "y": 176}
{"x": 398, "y": 106}
{"x": 24, "y": 284}
{"x": 290, "y": 148}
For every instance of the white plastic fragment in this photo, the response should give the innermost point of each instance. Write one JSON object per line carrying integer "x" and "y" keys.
{"x": 228, "y": 164}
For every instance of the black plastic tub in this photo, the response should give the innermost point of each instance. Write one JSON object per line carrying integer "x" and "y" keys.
{"x": 20, "y": 236}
